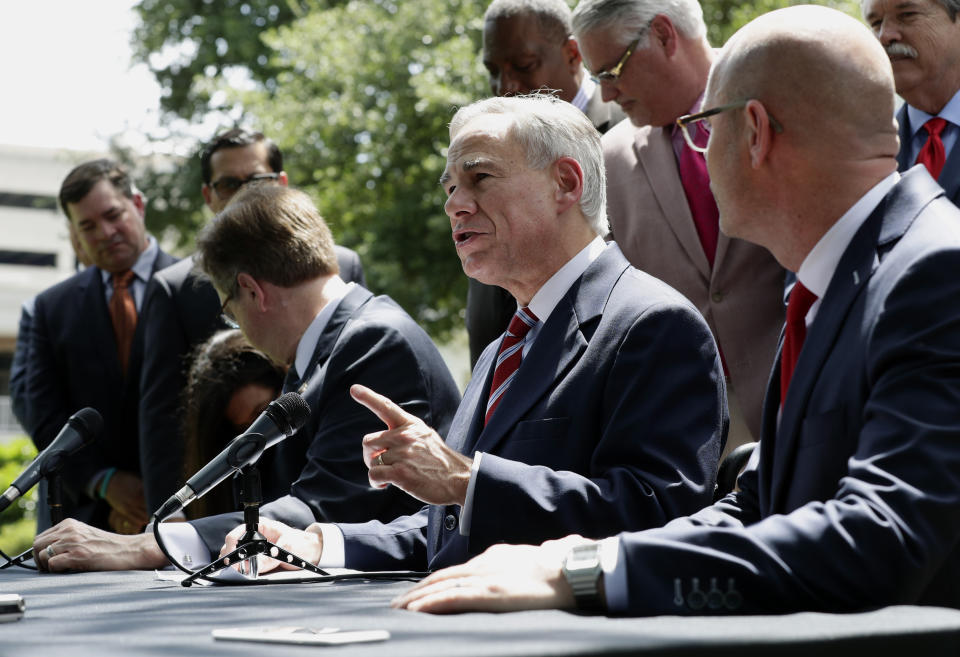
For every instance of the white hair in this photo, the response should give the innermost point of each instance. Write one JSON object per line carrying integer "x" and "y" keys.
{"x": 627, "y": 19}
{"x": 547, "y": 129}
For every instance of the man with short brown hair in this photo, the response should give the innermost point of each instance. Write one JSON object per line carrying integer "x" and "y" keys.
{"x": 87, "y": 346}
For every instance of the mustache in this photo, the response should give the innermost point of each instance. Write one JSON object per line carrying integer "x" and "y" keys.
{"x": 897, "y": 49}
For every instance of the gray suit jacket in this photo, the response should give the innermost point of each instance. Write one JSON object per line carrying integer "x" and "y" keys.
{"x": 741, "y": 298}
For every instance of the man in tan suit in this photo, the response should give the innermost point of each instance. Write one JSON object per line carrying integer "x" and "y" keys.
{"x": 653, "y": 59}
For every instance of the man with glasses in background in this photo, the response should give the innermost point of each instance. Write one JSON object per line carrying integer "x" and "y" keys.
{"x": 652, "y": 57}
{"x": 183, "y": 309}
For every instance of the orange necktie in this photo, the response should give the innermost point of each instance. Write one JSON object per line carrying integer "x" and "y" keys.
{"x": 123, "y": 314}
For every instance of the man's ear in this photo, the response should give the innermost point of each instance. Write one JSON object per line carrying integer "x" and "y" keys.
{"x": 140, "y": 204}
{"x": 758, "y": 132}
{"x": 572, "y": 56}
{"x": 664, "y": 35}
{"x": 250, "y": 288}
{"x": 569, "y": 179}
{"x": 206, "y": 190}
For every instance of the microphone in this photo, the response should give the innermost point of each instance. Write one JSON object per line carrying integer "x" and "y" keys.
{"x": 80, "y": 430}
{"x": 281, "y": 418}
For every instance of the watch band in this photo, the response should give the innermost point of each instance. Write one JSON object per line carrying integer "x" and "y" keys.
{"x": 584, "y": 573}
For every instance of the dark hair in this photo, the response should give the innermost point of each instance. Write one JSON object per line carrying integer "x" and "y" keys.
{"x": 236, "y": 138}
{"x": 84, "y": 177}
{"x": 220, "y": 366}
{"x": 553, "y": 16}
{"x": 271, "y": 232}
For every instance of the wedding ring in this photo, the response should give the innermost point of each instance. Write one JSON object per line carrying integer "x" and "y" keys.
{"x": 50, "y": 552}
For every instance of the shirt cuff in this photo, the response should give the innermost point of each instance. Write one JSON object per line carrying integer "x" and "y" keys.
{"x": 614, "y": 574}
{"x": 184, "y": 544}
{"x": 333, "y": 555}
{"x": 466, "y": 512}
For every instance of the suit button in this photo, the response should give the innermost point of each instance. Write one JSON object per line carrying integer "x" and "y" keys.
{"x": 450, "y": 522}
{"x": 717, "y": 297}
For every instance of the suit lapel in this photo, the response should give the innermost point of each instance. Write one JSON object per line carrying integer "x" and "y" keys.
{"x": 557, "y": 348}
{"x": 96, "y": 319}
{"x": 950, "y": 176}
{"x": 312, "y": 380}
{"x": 887, "y": 224}
{"x": 655, "y": 154}
{"x": 903, "y": 131}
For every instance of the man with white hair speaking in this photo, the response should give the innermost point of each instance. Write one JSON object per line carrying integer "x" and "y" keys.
{"x": 853, "y": 500}
{"x": 601, "y": 409}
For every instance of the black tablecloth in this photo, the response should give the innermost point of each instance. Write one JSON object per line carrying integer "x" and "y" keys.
{"x": 100, "y": 614}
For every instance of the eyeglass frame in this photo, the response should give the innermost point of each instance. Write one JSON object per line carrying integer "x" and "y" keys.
{"x": 613, "y": 74}
{"x": 690, "y": 119}
{"x": 230, "y": 181}
{"x": 225, "y": 316}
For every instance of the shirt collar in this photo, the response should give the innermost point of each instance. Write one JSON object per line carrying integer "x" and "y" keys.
{"x": 818, "y": 267}
{"x": 950, "y": 112}
{"x": 143, "y": 267}
{"x": 308, "y": 341}
{"x": 550, "y": 293}
{"x": 584, "y": 93}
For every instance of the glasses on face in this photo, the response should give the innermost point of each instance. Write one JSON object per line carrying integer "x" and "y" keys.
{"x": 226, "y": 316}
{"x": 611, "y": 75}
{"x": 691, "y": 123}
{"x": 228, "y": 186}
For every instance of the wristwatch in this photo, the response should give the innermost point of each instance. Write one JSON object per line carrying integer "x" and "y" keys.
{"x": 584, "y": 574}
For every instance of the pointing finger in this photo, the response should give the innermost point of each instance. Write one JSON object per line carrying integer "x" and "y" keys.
{"x": 388, "y": 412}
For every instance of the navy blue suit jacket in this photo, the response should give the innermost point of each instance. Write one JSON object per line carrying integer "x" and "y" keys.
{"x": 318, "y": 473}
{"x": 615, "y": 420}
{"x": 950, "y": 175}
{"x": 854, "y": 501}
{"x": 182, "y": 311}
{"x": 74, "y": 364}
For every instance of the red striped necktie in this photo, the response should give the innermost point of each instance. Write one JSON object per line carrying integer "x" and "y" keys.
{"x": 796, "y": 331}
{"x": 511, "y": 353}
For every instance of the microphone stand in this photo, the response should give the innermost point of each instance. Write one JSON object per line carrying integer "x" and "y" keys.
{"x": 252, "y": 543}
{"x": 55, "y": 504}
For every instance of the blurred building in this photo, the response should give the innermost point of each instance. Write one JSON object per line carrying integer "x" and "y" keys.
{"x": 35, "y": 247}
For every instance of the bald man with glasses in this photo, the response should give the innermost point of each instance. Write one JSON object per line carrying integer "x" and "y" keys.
{"x": 653, "y": 58}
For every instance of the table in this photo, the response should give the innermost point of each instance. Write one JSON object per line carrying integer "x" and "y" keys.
{"x": 135, "y": 613}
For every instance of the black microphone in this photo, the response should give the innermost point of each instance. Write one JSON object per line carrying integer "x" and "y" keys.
{"x": 280, "y": 419}
{"x": 80, "y": 430}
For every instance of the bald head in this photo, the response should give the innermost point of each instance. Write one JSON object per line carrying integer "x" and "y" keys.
{"x": 820, "y": 73}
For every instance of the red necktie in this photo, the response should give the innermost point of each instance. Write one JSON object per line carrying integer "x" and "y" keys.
{"x": 123, "y": 314}
{"x": 800, "y": 301}
{"x": 511, "y": 353}
{"x": 932, "y": 154}
{"x": 696, "y": 186}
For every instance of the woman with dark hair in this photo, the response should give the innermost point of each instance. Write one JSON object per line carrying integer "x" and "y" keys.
{"x": 229, "y": 385}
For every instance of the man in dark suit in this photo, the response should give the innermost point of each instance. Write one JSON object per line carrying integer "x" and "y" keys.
{"x": 922, "y": 38}
{"x": 852, "y": 500}
{"x": 183, "y": 310}
{"x": 80, "y": 357}
{"x": 527, "y": 45}
{"x": 662, "y": 212}
{"x": 272, "y": 263}
{"x": 614, "y": 415}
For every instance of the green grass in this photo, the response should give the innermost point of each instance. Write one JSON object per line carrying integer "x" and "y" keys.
{"x": 18, "y": 522}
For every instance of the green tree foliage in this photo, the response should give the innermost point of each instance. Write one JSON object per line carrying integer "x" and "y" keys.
{"x": 18, "y": 522}
{"x": 358, "y": 94}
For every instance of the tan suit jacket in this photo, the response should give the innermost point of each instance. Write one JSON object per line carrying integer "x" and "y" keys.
{"x": 741, "y": 299}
